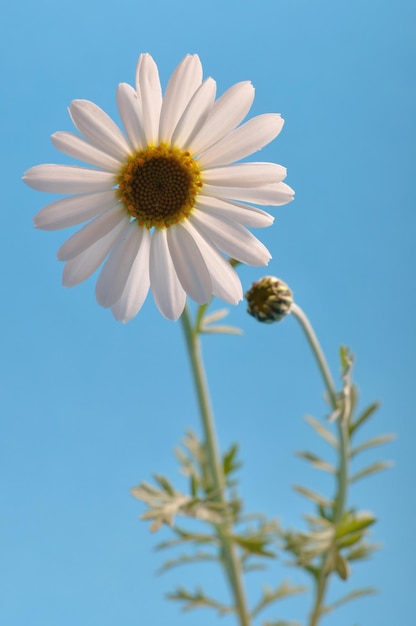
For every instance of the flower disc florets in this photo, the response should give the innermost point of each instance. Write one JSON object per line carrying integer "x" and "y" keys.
{"x": 164, "y": 202}
{"x": 158, "y": 185}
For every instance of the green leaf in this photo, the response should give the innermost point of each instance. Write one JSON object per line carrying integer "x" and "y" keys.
{"x": 187, "y": 537}
{"x": 230, "y": 463}
{"x": 205, "y": 324}
{"x": 317, "y": 462}
{"x": 198, "y": 600}
{"x": 318, "y": 523}
{"x": 349, "y": 540}
{"x": 322, "y": 431}
{"x": 312, "y": 495}
{"x": 347, "y": 359}
{"x": 185, "y": 559}
{"x": 164, "y": 483}
{"x": 354, "y": 522}
{"x": 354, "y": 595}
{"x": 254, "y": 544}
{"x": 371, "y": 469}
{"x": 194, "y": 486}
{"x": 225, "y": 330}
{"x": 216, "y": 316}
{"x": 166, "y": 503}
{"x": 371, "y": 443}
{"x": 365, "y": 415}
{"x": 341, "y": 567}
{"x": 363, "y": 551}
{"x": 284, "y": 590}
{"x": 253, "y": 567}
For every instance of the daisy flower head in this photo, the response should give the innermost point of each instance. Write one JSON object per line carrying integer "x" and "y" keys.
{"x": 166, "y": 200}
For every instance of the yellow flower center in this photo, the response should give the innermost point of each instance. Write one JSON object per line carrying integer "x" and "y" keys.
{"x": 158, "y": 185}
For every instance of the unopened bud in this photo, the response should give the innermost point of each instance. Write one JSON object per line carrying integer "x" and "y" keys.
{"x": 269, "y": 300}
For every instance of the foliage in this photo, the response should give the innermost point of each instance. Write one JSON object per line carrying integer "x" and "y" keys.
{"x": 254, "y": 536}
{"x": 337, "y": 534}
{"x": 217, "y": 529}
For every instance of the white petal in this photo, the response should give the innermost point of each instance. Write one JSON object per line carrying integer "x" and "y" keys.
{"x": 241, "y": 213}
{"x": 67, "y": 179}
{"x": 248, "y": 138}
{"x": 80, "y": 149}
{"x": 137, "y": 285}
{"x": 225, "y": 281}
{"x": 274, "y": 195}
{"x": 74, "y": 210}
{"x": 189, "y": 264}
{"x": 231, "y": 238}
{"x": 99, "y": 128}
{"x": 245, "y": 175}
{"x": 168, "y": 292}
{"x": 182, "y": 85}
{"x": 228, "y": 111}
{"x": 92, "y": 232}
{"x": 82, "y": 266}
{"x": 195, "y": 114}
{"x": 130, "y": 109}
{"x": 150, "y": 91}
{"x": 115, "y": 273}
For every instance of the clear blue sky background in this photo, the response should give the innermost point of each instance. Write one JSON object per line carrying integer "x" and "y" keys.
{"x": 90, "y": 407}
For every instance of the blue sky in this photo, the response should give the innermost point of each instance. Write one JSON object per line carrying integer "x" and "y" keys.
{"x": 91, "y": 407}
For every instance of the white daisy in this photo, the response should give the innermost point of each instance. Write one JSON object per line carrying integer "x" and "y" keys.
{"x": 166, "y": 200}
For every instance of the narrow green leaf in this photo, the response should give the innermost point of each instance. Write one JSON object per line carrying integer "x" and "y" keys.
{"x": 253, "y": 567}
{"x": 216, "y": 316}
{"x": 194, "y": 486}
{"x": 318, "y": 522}
{"x": 186, "y": 559}
{"x": 230, "y": 463}
{"x": 225, "y": 330}
{"x": 354, "y": 595}
{"x": 197, "y": 599}
{"x": 187, "y": 537}
{"x": 365, "y": 415}
{"x": 322, "y": 431}
{"x": 254, "y": 545}
{"x": 284, "y": 590}
{"x": 164, "y": 483}
{"x": 341, "y": 566}
{"x": 362, "y": 551}
{"x": 317, "y": 462}
{"x": 349, "y": 540}
{"x": 371, "y": 469}
{"x": 346, "y": 358}
{"x": 371, "y": 443}
{"x": 353, "y": 524}
{"x": 312, "y": 495}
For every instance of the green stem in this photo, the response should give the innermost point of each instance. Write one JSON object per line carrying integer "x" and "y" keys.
{"x": 317, "y": 352}
{"x": 233, "y": 566}
{"x": 343, "y": 437}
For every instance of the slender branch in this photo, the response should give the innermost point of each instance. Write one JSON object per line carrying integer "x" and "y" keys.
{"x": 318, "y": 353}
{"x": 343, "y": 449}
{"x": 233, "y": 566}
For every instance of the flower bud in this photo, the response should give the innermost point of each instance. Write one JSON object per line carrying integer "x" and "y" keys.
{"x": 269, "y": 299}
